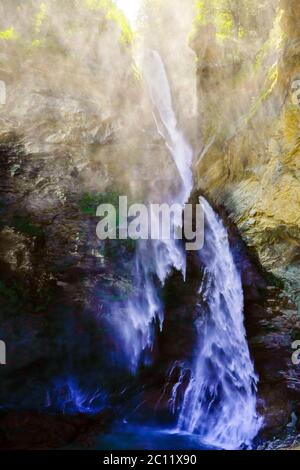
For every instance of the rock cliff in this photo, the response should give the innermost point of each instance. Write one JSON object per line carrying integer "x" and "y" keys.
{"x": 250, "y": 157}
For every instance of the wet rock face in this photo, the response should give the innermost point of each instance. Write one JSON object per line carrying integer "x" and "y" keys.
{"x": 57, "y": 279}
{"x": 68, "y": 140}
{"x": 57, "y": 138}
{"x": 250, "y": 166}
{"x": 272, "y": 324}
{"x": 290, "y": 21}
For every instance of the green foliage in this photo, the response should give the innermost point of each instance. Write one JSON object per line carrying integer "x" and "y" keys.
{"x": 213, "y": 12}
{"x": 90, "y": 201}
{"x": 40, "y": 17}
{"x": 273, "y": 280}
{"x": 38, "y": 43}
{"x": 37, "y": 23}
{"x": 9, "y": 34}
{"x": 25, "y": 226}
{"x": 225, "y": 25}
{"x": 234, "y": 18}
{"x": 113, "y": 13}
{"x": 88, "y": 204}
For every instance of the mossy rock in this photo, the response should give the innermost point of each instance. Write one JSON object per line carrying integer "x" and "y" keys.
{"x": 27, "y": 227}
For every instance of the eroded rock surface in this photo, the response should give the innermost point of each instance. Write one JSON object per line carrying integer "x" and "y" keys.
{"x": 249, "y": 164}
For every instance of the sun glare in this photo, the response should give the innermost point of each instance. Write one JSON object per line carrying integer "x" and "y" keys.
{"x": 130, "y": 8}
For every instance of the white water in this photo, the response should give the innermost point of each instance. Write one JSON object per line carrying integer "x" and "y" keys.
{"x": 220, "y": 402}
{"x": 155, "y": 259}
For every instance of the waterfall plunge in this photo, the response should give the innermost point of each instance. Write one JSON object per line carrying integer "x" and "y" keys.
{"x": 219, "y": 403}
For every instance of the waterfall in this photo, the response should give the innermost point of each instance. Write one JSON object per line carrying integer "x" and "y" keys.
{"x": 160, "y": 94}
{"x": 219, "y": 403}
{"x": 155, "y": 259}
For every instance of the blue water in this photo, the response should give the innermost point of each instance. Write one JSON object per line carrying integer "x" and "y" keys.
{"x": 133, "y": 437}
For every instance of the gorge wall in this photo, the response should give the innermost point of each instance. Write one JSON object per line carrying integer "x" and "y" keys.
{"x": 250, "y": 160}
{"x": 248, "y": 163}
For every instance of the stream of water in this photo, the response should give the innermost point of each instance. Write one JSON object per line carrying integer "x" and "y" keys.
{"x": 220, "y": 401}
{"x": 155, "y": 259}
{"x": 219, "y": 404}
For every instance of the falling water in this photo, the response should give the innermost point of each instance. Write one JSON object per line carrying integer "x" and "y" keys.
{"x": 155, "y": 259}
{"x": 220, "y": 402}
